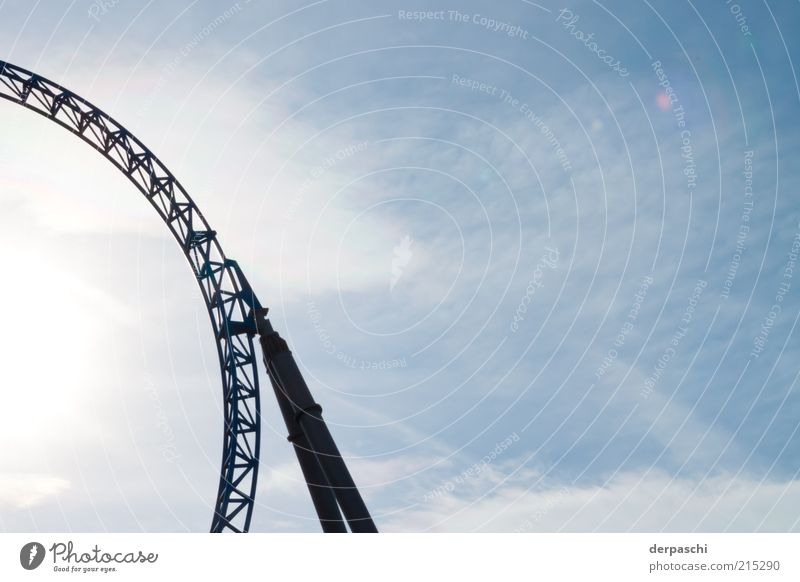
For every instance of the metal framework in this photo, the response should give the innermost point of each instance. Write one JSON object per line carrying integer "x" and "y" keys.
{"x": 236, "y": 318}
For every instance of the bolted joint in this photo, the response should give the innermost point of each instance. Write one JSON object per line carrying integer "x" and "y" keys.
{"x": 314, "y": 411}
{"x": 273, "y": 344}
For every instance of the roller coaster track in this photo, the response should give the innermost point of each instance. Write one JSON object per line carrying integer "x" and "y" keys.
{"x": 236, "y": 318}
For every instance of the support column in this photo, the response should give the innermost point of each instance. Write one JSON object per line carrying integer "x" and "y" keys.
{"x": 303, "y": 418}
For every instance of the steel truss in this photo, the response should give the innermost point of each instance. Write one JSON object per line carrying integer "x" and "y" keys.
{"x": 236, "y": 318}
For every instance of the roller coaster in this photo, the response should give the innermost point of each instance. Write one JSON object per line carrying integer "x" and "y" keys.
{"x": 238, "y": 322}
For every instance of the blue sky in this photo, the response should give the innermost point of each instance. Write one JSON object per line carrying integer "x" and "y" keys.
{"x": 504, "y": 254}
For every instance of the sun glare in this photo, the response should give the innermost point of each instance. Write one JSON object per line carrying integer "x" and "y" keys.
{"x": 45, "y": 350}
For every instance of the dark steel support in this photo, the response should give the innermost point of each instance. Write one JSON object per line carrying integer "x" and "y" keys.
{"x": 304, "y": 421}
{"x": 334, "y": 467}
{"x": 322, "y": 496}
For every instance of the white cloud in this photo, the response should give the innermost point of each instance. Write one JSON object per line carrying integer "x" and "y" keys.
{"x": 627, "y": 502}
{"x": 24, "y": 490}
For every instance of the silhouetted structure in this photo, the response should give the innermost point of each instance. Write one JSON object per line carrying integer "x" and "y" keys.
{"x": 237, "y": 318}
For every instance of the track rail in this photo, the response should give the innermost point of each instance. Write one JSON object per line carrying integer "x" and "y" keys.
{"x": 229, "y": 299}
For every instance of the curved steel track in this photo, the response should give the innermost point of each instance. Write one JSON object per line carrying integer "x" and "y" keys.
{"x": 228, "y": 296}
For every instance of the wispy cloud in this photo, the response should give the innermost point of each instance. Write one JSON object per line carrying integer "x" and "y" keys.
{"x": 27, "y": 490}
{"x": 390, "y": 187}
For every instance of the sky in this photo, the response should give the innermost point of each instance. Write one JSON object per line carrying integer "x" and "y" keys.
{"x": 538, "y": 262}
